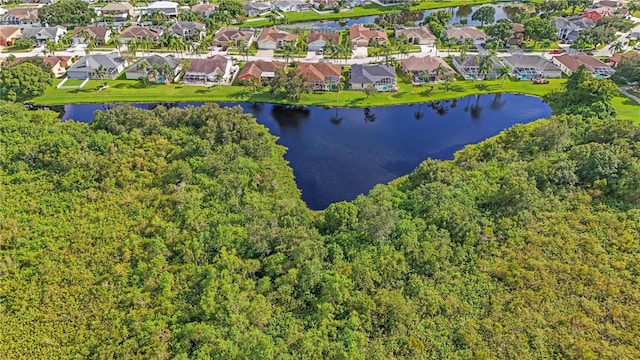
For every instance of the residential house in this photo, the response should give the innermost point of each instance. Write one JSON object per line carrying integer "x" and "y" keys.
{"x": 323, "y": 4}
{"x": 191, "y": 30}
{"x": 425, "y": 69}
{"x": 317, "y": 40}
{"x": 570, "y": 63}
{"x": 569, "y": 28}
{"x": 517, "y": 35}
{"x": 258, "y": 8}
{"x": 88, "y": 66}
{"x": 615, "y": 59}
{"x": 291, "y": 5}
{"x": 596, "y": 13}
{"x": 136, "y": 71}
{"x": 417, "y": 35}
{"x": 272, "y": 38}
{"x": 40, "y": 34}
{"x": 363, "y": 36}
{"x": 259, "y": 69}
{"x": 382, "y": 77}
{"x": 9, "y": 35}
{"x": 528, "y": 67}
{"x": 469, "y": 68}
{"x": 205, "y": 70}
{"x": 99, "y": 34}
{"x": 20, "y": 16}
{"x": 169, "y": 8}
{"x": 227, "y": 36}
{"x": 141, "y": 32}
{"x": 462, "y": 33}
{"x": 119, "y": 11}
{"x": 204, "y": 10}
{"x": 58, "y": 64}
{"x": 321, "y": 76}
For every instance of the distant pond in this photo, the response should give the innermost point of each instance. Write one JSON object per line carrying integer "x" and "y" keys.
{"x": 503, "y": 11}
{"x": 338, "y": 153}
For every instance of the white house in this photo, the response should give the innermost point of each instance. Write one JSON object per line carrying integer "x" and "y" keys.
{"x": 169, "y": 8}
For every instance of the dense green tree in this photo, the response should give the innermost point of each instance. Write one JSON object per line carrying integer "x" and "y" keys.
{"x": 289, "y": 83}
{"x": 585, "y": 95}
{"x": 436, "y": 29}
{"x": 538, "y": 29}
{"x": 485, "y": 14}
{"x": 180, "y": 233}
{"x": 441, "y": 17}
{"x": 23, "y": 81}
{"x": 24, "y": 43}
{"x": 502, "y": 30}
{"x": 67, "y": 12}
{"x": 628, "y": 71}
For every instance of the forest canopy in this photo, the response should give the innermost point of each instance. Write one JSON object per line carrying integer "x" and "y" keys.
{"x": 180, "y": 233}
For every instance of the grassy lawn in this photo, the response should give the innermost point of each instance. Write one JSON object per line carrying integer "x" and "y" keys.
{"x": 369, "y": 10}
{"x": 13, "y": 49}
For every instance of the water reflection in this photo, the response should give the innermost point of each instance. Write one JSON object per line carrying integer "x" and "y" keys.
{"x": 335, "y": 155}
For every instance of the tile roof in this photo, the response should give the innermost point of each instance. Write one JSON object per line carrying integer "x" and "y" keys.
{"x": 257, "y": 68}
{"x": 273, "y": 34}
{"x": 326, "y": 36}
{"x": 210, "y": 65}
{"x": 136, "y": 32}
{"x": 228, "y": 34}
{"x": 93, "y": 31}
{"x": 117, "y": 6}
{"x": 428, "y": 63}
{"x": 465, "y": 32}
{"x": 8, "y": 31}
{"x": 359, "y": 31}
{"x": 419, "y": 32}
{"x": 319, "y": 71}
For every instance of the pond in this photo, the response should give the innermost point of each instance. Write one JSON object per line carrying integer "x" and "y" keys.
{"x": 338, "y": 153}
{"x": 409, "y": 17}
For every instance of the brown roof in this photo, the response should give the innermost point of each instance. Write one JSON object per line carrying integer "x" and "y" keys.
{"x": 419, "y": 32}
{"x": 326, "y": 36}
{"x": 137, "y": 32}
{"x": 53, "y": 60}
{"x": 319, "y": 71}
{"x": 117, "y": 6}
{"x": 517, "y": 28}
{"x": 359, "y": 31}
{"x": 428, "y": 63}
{"x": 93, "y": 31}
{"x": 465, "y": 32}
{"x": 9, "y": 31}
{"x": 210, "y": 65}
{"x": 204, "y": 7}
{"x": 273, "y": 34}
{"x": 256, "y": 68}
{"x": 616, "y": 58}
{"x": 24, "y": 13}
{"x": 228, "y": 34}
{"x": 574, "y": 62}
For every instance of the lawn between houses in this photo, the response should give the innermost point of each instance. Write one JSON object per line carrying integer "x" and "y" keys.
{"x": 126, "y": 91}
{"x": 371, "y": 10}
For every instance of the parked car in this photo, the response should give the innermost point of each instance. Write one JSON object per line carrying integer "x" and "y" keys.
{"x": 319, "y": 52}
{"x": 355, "y": 47}
{"x": 556, "y": 51}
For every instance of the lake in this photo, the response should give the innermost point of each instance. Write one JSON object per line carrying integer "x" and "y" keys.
{"x": 409, "y": 17}
{"x": 338, "y": 153}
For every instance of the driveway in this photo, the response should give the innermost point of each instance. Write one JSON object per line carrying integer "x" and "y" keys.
{"x": 265, "y": 54}
{"x": 360, "y": 52}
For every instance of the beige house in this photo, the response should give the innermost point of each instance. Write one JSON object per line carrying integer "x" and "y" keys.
{"x": 570, "y": 63}
{"x": 363, "y": 36}
{"x": 272, "y": 38}
{"x": 466, "y": 32}
{"x": 417, "y": 35}
{"x": 119, "y": 11}
{"x": 9, "y": 35}
{"x": 230, "y": 36}
{"x": 425, "y": 69}
{"x": 322, "y": 75}
{"x": 99, "y": 34}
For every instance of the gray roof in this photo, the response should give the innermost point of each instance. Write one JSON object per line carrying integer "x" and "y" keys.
{"x": 370, "y": 73}
{"x": 39, "y": 31}
{"x": 179, "y": 26}
{"x": 93, "y": 62}
{"x": 472, "y": 61}
{"x": 284, "y": 3}
{"x": 157, "y": 60}
{"x": 573, "y": 23}
{"x": 258, "y": 6}
{"x": 534, "y": 61}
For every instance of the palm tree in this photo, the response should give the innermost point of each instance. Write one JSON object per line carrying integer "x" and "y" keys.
{"x": 51, "y": 47}
{"x": 133, "y": 46}
{"x": 115, "y": 40}
{"x": 425, "y": 75}
{"x": 503, "y": 72}
{"x": 218, "y": 78}
{"x": 484, "y": 66}
{"x": 90, "y": 46}
{"x": 545, "y": 43}
{"x": 287, "y": 51}
{"x": 463, "y": 52}
{"x": 616, "y": 47}
{"x": 146, "y": 69}
{"x": 100, "y": 74}
{"x": 166, "y": 72}
{"x": 84, "y": 34}
{"x": 447, "y": 79}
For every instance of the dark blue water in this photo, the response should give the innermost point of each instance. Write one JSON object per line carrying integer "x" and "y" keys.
{"x": 338, "y": 153}
{"x": 409, "y": 17}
